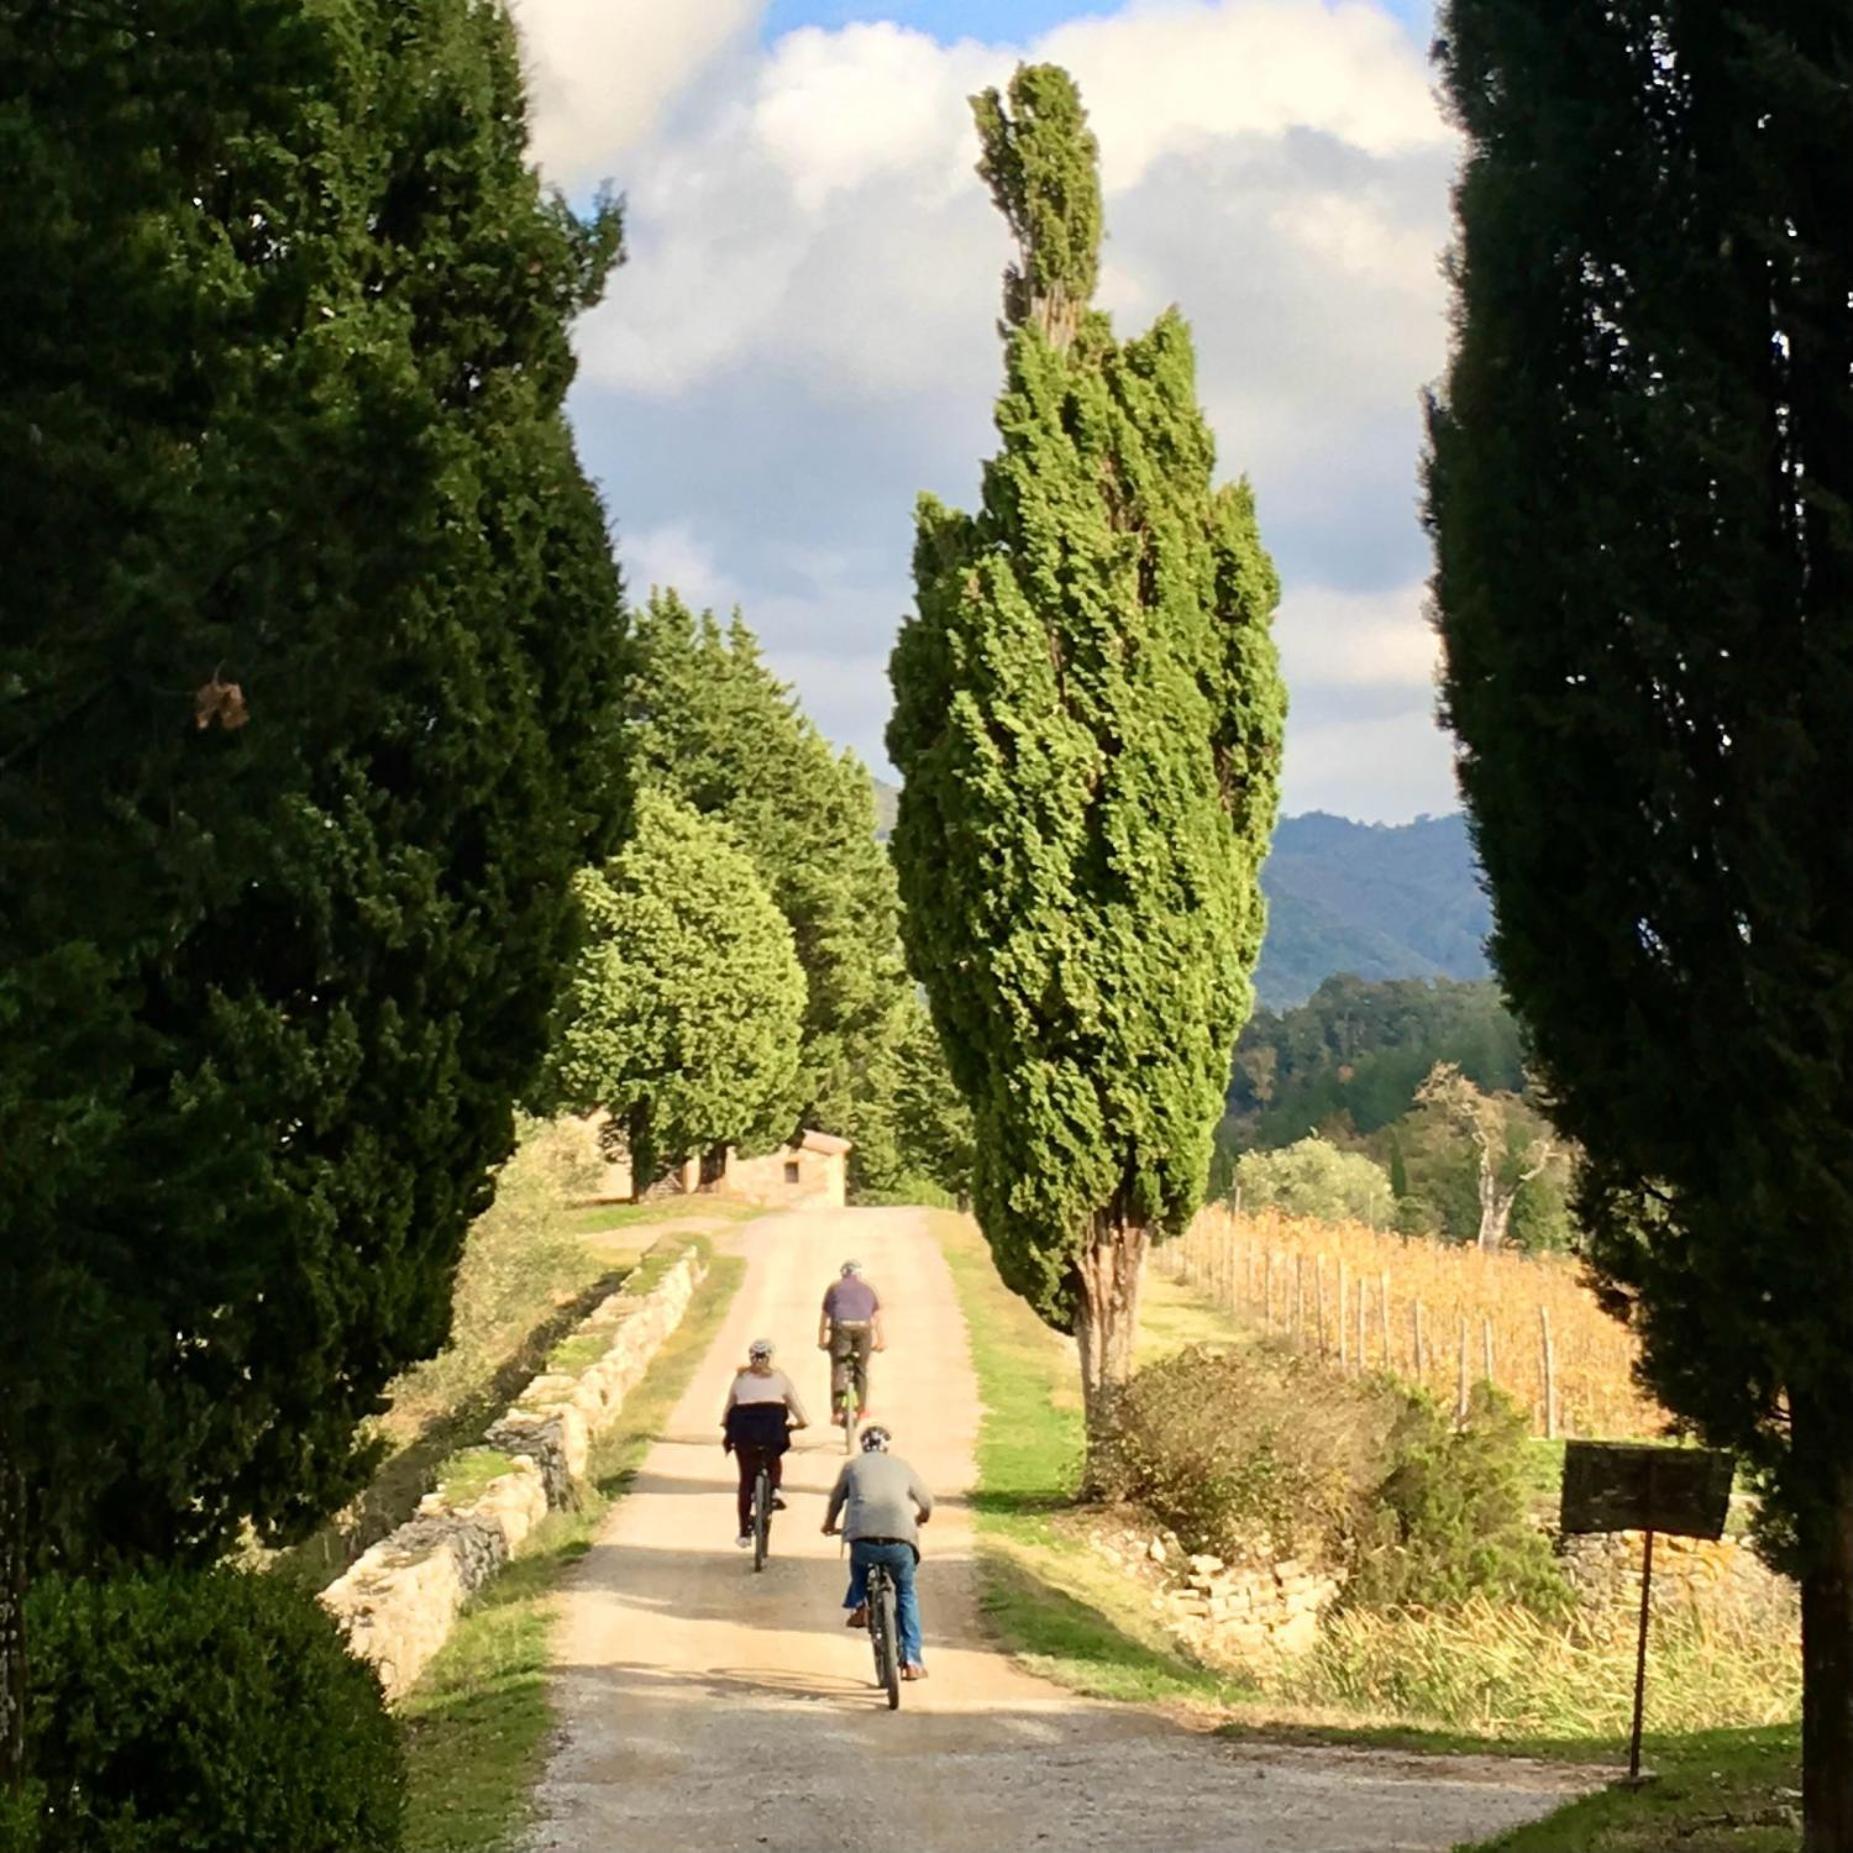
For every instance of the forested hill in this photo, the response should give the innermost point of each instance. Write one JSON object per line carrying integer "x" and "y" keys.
{"x": 1376, "y": 900}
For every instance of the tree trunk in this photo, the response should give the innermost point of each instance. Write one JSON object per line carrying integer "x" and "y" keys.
{"x": 12, "y": 1625}
{"x": 1827, "y": 1680}
{"x": 1108, "y": 1274}
{"x": 1495, "y": 1217}
{"x": 643, "y": 1150}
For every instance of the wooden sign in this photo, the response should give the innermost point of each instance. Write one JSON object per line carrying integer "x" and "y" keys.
{"x": 1642, "y": 1486}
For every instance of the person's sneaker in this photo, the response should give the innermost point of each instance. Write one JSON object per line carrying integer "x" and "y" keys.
{"x": 857, "y": 1617}
{"x": 778, "y": 1505}
{"x": 913, "y": 1672}
{"x": 744, "y": 1539}
{"x": 862, "y": 1415}
{"x": 836, "y": 1418}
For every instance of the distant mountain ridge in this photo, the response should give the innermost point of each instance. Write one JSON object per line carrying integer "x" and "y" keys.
{"x": 1375, "y": 900}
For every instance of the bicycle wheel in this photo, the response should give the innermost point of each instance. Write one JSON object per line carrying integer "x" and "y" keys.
{"x": 762, "y": 1518}
{"x": 878, "y": 1641}
{"x": 849, "y": 1420}
{"x": 891, "y": 1636}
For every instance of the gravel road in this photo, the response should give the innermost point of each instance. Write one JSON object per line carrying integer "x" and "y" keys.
{"x": 705, "y": 1709}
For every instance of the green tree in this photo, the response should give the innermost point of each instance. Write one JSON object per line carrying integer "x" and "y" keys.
{"x": 683, "y": 1013}
{"x": 932, "y": 1123}
{"x": 1314, "y": 1178}
{"x": 712, "y": 726}
{"x": 1641, "y": 488}
{"x": 1505, "y": 1159}
{"x": 1088, "y": 718}
{"x": 309, "y": 644}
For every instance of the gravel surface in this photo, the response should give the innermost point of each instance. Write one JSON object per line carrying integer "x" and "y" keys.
{"x": 704, "y": 1708}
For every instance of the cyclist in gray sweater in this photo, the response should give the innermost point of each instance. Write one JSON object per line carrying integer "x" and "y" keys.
{"x": 883, "y": 1504}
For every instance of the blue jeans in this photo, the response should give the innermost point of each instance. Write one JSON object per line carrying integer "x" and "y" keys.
{"x": 898, "y": 1560}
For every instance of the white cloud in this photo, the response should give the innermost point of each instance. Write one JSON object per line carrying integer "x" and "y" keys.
{"x": 601, "y": 73}
{"x": 1386, "y": 769}
{"x": 673, "y": 555}
{"x": 805, "y": 333}
{"x": 1335, "y": 640}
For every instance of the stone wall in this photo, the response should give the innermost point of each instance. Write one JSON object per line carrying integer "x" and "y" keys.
{"x": 1233, "y": 1615}
{"x": 398, "y": 1602}
{"x": 1604, "y": 1568}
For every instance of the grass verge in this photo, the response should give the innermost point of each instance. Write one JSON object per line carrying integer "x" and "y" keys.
{"x": 477, "y": 1723}
{"x": 1712, "y": 1792}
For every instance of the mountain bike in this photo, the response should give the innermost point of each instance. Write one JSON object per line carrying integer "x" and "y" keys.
{"x": 846, "y": 1407}
{"x": 885, "y": 1633}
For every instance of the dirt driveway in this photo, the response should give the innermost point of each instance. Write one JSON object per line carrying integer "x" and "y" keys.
{"x": 705, "y": 1709}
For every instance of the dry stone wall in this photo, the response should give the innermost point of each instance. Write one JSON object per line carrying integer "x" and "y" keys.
{"x": 398, "y": 1602}
{"x": 1604, "y": 1568}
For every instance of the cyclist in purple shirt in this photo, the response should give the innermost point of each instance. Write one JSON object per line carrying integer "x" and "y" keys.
{"x": 850, "y": 1329}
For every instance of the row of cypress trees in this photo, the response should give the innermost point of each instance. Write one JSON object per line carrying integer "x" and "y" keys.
{"x": 311, "y": 655}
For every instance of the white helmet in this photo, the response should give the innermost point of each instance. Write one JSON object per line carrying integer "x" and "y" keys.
{"x": 875, "y": 1439}
{"x": 760, "y": 1351}
{"x": 851, "y": 1267}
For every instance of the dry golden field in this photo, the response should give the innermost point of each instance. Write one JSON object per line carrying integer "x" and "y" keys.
{"x": 1434, "y": 1314}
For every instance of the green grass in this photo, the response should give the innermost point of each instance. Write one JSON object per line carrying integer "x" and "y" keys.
{"x": 580, "y": 1352}
{"x": 465, "y": 1475}
{"x": 1051, "y": 1603}
{"x": 603, "y": 1218}
{"x": 477, "y": 1723}
{"x": 1713, "y": 1792}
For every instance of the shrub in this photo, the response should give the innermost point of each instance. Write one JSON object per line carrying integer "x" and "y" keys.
{"x": 204, "y": 1713}
{"x": 1449, "y": 1518}
{"x": 1249, "y": 1454}
{"x": 1266, "y": 1452}
{"x": 1314, "y": 1178}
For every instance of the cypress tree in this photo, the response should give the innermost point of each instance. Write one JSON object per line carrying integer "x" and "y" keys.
{"x": 309, "y": 647}
{"x": 683, "y": 1014}
{"x": 709, "y": 724}
{"x": 1641, "y": 488}
{"x": 1088, "y": 718}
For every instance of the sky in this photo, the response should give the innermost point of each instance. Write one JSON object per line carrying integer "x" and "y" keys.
{"x": 803, "y": 337}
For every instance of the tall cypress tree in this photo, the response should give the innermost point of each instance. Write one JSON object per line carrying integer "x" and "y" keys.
{"x": 309, "y": 644}
{"x": 1088, "y": 717}
{"x": 1642, "y": 495}
{"x": 709, "y": 724}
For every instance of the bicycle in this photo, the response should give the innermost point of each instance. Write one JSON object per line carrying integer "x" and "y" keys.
{"x": 846, "y": 1407}
{"x": 885, "y": 1633}
{"x": 762, "y": 1517}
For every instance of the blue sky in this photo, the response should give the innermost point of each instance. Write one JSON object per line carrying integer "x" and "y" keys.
{"x": 947, "y": 20}
{"x": 803, "y": 337}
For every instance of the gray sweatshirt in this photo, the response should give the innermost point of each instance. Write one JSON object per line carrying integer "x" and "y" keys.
{"x": 882, "y": 1494}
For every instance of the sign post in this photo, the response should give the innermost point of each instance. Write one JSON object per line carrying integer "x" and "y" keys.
{"x": 1644, "y": 1487}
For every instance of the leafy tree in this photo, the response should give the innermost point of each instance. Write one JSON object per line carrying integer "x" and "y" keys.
{"x": 309, "y": 645}
{"x": 1088, "y": 719}
{"x": 711, "y": 725}
{"x": 1500, "y": 1171}
{"x": 1314, "y": 1178}
{"x": 684, "y": 1010}
{"x": 933, "y": 1125}
{"x": 1353, "y": 1055}
{"x": 1642, "y": 494}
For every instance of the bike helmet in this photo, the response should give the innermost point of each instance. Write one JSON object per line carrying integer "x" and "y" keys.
{"x": 851, "y": 1267}
{"x": 875, "y": 1439}
{"x": 759, "y": 1351}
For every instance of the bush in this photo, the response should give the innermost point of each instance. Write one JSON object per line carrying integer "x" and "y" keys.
{"x": 204, "y": 1713}
{"x": 1263, "y": 1453}
{"x": 1450, "y": 1518}
{"x": 1314, "y": 1178}
{"x": 1252, "y": 1455}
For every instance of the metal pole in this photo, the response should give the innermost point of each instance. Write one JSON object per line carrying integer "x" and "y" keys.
{"x": 1640, "y": 1659}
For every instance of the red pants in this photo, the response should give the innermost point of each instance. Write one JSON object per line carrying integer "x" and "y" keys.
{"x": 751, "y": 1459}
